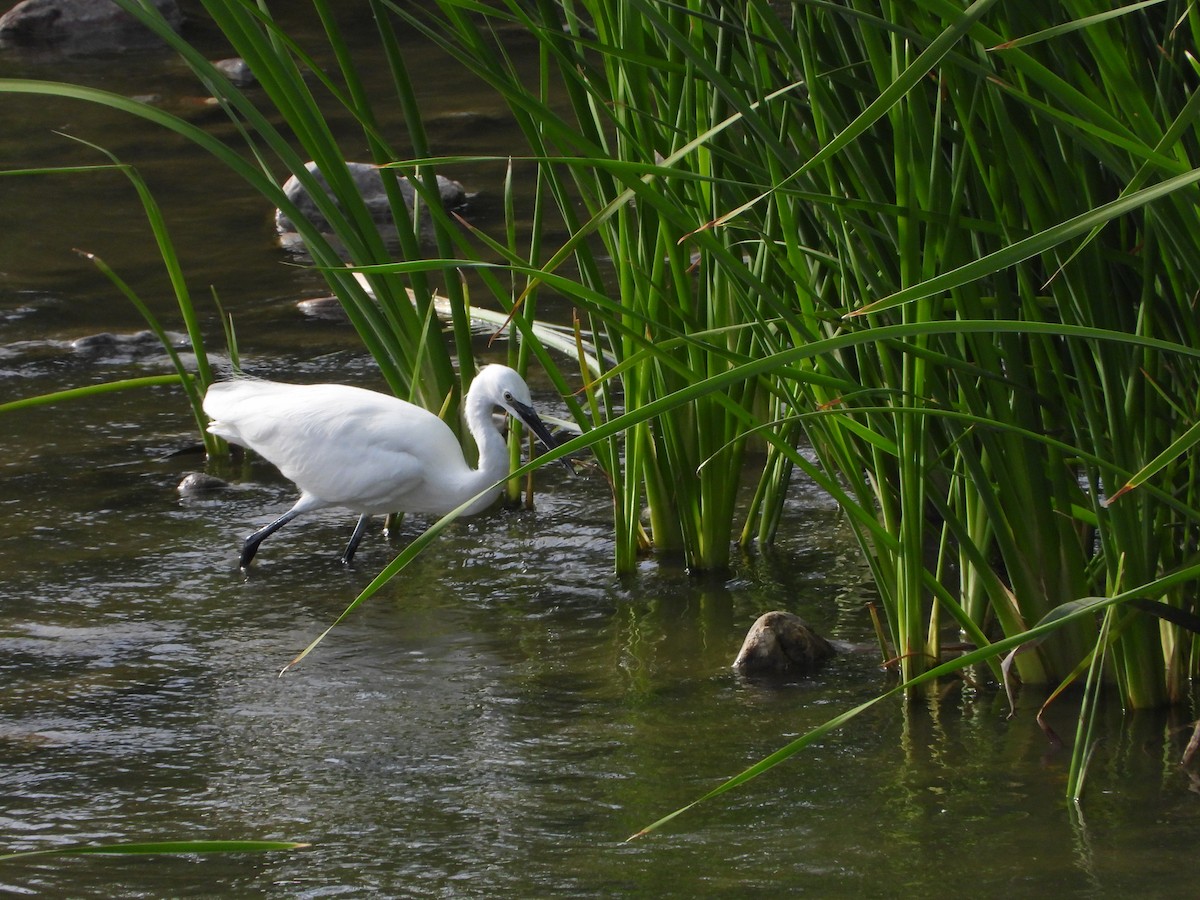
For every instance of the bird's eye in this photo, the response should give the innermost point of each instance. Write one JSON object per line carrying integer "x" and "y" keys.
{"x": 508, "y": 396}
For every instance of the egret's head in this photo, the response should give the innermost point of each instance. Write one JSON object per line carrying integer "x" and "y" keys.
{"x": 505, "y": 388}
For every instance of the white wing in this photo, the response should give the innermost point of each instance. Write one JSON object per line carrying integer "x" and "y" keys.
{"x": 344, "y": 445}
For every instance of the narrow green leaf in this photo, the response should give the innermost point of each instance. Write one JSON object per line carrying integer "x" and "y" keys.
{"x": 1067, "y": 27}
{"x": 1030, "y": 246}
{"x": 878, "y": 108}
{"x": 91, "y": 390}
{"x": 1178, "y": 447}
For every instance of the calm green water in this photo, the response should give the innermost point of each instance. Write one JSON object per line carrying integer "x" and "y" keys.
{"x": 499, "y": 719}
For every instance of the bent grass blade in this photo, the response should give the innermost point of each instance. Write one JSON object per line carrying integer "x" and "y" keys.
{"x": 91, "y": 390}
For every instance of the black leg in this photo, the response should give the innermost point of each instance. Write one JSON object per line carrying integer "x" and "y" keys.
{"x": 250, "y": 547}
{"x": 355, "y": 538}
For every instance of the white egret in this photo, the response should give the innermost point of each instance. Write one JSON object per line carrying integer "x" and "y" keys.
{"x": 368, "y": 452}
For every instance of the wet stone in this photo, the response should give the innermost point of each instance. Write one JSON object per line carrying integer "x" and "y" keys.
{"x": 370, "y": 186}
{"x": 782, "y": 645}
{"x": 200, "y": 483}
{"x": 324, "y": 308}
{"x": 236, "y": 70}
{"x": 138, "y": 343}
{"x": 80, "y": 26}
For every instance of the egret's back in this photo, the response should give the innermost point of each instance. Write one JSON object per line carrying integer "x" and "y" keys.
{"x": 342, "y": 445}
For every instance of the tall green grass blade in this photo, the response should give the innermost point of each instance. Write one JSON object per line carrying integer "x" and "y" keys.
{"x": 1178, "y": 448}
{"x": 193, "y": 387}
{"x": 91, "y": 390}
{"x": 1084, "y": 747}
{"x": 1047, "y": 34}
{"x": 1031, "y": 246}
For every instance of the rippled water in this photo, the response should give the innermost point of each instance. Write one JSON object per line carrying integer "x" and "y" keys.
{"x": 503, "y": 715}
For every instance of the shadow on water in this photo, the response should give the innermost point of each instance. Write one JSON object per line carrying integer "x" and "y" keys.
{"x": 504, "y": 714}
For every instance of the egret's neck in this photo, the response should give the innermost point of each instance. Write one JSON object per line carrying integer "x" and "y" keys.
{"x": 493, "y": 451}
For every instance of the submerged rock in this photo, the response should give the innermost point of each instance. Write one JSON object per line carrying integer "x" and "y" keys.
{"x": 236, "y": 70}
{"x": 782, "y": 645}
{"x": 81, "y": 26}
{"x": 370, "y": 186}
{"x": 126, "y": 346}
{"x": 199, "y": 483}
{"x": 328, "y": 309}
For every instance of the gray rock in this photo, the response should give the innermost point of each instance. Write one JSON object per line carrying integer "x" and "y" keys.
{"x": 329, "y": 309}
{"x": 80, "y": 26}
{"x": 782, "y": 645}
{"x": 199, "y": 483}
{"x": 126, "y": 346}
{"x": 236, "y": 70}
{"x": 370, "y": 186}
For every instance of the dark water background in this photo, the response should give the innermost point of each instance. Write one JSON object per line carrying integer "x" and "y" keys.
{"x": 502, "y": 716}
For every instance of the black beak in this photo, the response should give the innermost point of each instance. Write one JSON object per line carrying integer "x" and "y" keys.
{"x": 538, "y": 427}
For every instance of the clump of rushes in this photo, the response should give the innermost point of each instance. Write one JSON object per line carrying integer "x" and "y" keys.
{"x": 984, "y": 212}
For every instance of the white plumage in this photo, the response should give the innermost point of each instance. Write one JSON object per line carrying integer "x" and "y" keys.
{"x": 371, "y": 453}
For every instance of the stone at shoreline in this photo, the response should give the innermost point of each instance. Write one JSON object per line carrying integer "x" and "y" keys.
{"x": 370, "y": 186}
{"x": 80, "y": 26}
{"x": 782, "y": 645}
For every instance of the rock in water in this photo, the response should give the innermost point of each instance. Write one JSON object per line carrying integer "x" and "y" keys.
{"x": 329, "y": 309}
{"x": 369, "y": 183}
{"x": 109, "y": 347}
{"x": 200, "y": 483}
{"x": 81, "y": 26}
{"x": 782, "y": 645}
{"x": 236, "y": 70}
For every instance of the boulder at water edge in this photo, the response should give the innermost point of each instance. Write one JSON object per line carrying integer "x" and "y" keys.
{"x": 80, "y": 26}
